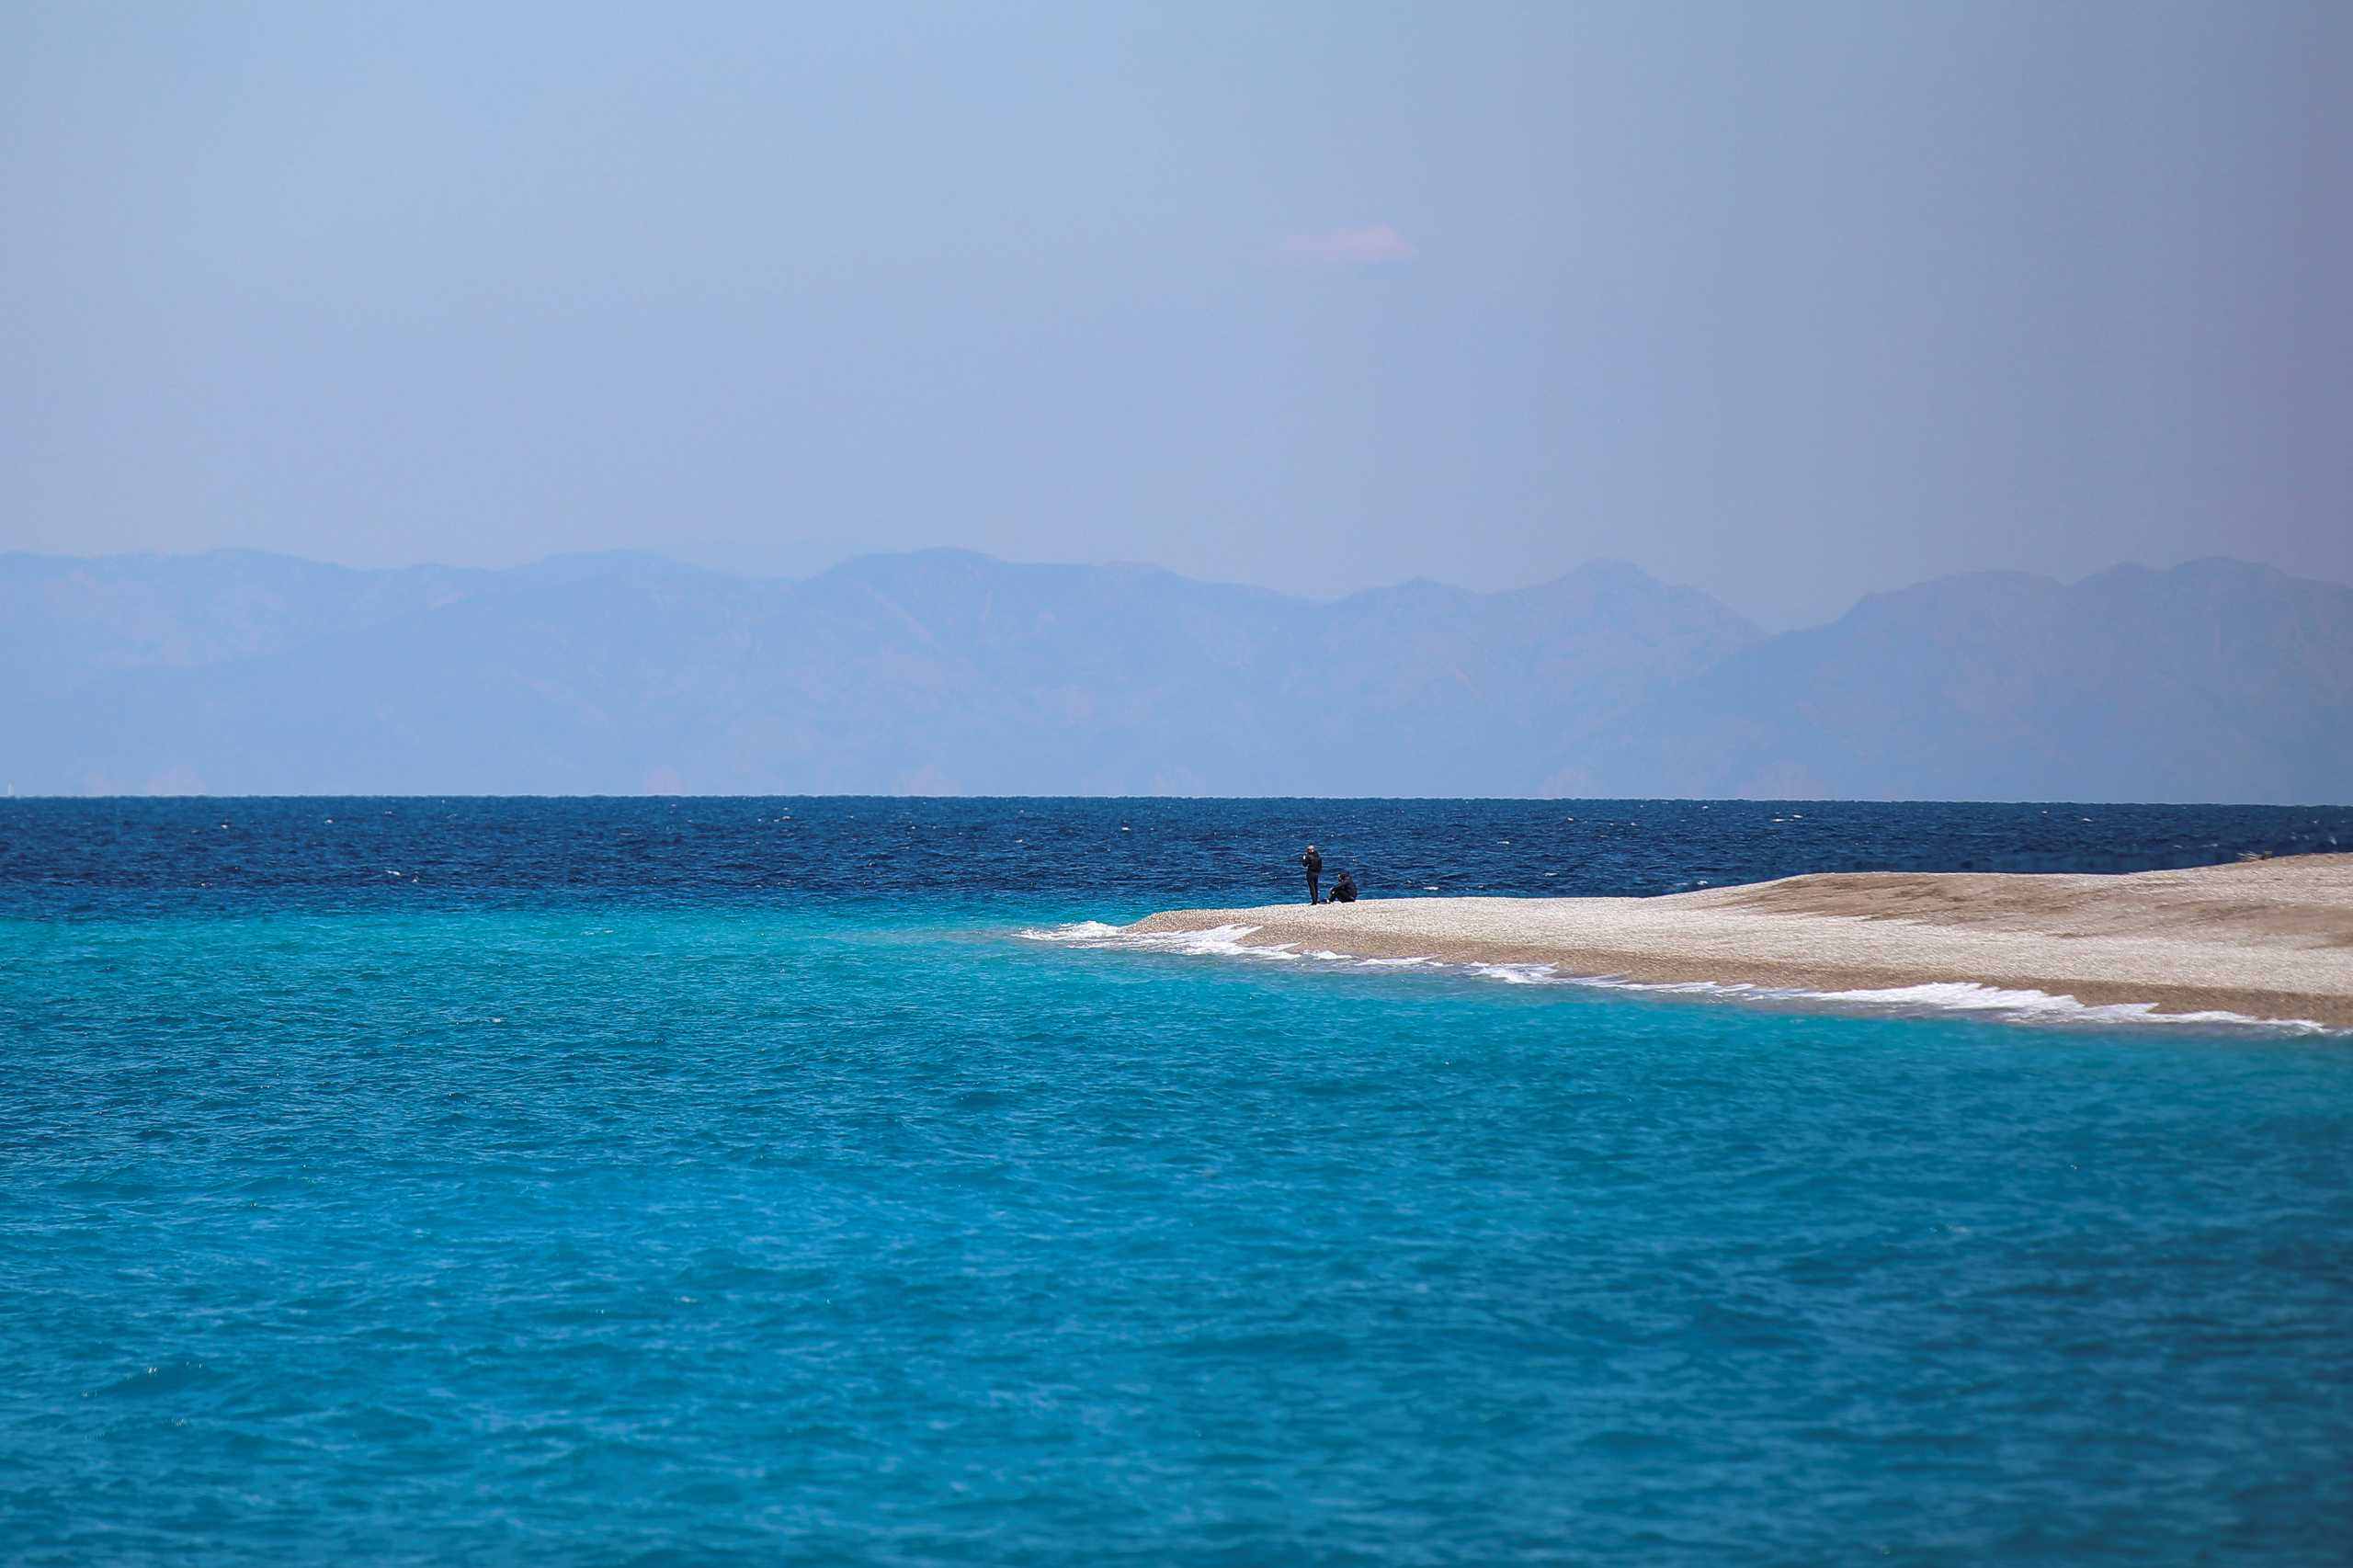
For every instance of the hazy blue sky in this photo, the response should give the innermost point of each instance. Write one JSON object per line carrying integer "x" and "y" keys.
{"x": 1784, "y": 302}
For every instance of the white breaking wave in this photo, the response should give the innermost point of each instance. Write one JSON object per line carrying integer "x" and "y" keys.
{"x": 1957, "y": 996}
{"x": 1223, "y": 940}
{"x": 1935, "y": 996}
{"x": 1520, "y": 974}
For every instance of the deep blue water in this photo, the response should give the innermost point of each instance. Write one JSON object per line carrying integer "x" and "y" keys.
{"x": 710, "y": 1181}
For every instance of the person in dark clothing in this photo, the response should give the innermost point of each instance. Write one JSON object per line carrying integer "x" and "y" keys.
{"x": 1315, "y": 864}
{"x": 1344, "y": 887}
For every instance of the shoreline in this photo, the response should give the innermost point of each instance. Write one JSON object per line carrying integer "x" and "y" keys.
{"x": 2270, "y": 940}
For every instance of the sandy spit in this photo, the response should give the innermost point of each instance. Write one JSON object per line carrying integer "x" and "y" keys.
{"x": 2268, "y": 938}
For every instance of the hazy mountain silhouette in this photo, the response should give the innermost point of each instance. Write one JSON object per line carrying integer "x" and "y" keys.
{"x": 947, "y": 672}
{"x": 2217, "y": 680}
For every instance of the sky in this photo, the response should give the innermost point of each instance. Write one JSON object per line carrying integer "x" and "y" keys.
{"x": 1789, "y": 302}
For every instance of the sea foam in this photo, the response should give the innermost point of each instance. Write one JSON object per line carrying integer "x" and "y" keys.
{"x": 2015, "y": 1005}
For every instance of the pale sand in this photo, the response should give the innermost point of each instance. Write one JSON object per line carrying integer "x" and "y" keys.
{"x": 2268, "y": 938}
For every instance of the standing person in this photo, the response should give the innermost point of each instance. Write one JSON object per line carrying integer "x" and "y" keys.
{"x": 1315, "y": 864}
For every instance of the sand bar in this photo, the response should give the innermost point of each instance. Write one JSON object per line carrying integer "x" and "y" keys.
{"x": 2267, "y": 938}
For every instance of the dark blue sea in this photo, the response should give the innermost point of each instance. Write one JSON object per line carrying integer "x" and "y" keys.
{"x": 742, "y": 1181}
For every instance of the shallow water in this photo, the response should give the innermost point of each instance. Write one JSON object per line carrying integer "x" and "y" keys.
{"x": 553, "y": 1202}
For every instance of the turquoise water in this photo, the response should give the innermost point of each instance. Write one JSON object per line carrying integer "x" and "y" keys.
{"x": 607, "y": 1230}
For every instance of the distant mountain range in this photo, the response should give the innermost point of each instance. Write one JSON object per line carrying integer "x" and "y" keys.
{"x": 944, "y": 672}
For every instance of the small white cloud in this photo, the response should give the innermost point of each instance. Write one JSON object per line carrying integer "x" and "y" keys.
{"x": 1375, "y": 242}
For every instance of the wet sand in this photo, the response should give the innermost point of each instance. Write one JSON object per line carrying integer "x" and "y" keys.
{"x": 2268, "y": 938}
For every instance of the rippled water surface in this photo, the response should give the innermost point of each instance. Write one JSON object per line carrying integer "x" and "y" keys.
{"x": 705, "y": 1182}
